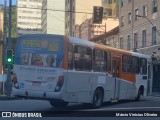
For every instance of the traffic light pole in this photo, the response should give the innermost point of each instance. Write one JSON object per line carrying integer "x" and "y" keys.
{"x": 9, "y": 81}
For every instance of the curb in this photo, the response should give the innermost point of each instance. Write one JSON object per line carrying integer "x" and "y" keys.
{"x": 153, "y": 98}
{"x": 7, "y": 98}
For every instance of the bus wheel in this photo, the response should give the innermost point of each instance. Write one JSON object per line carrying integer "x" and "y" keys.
{"x": 98, "y": 98}
{"x": 139, "y": 95}
{"x": 58, "y": 104}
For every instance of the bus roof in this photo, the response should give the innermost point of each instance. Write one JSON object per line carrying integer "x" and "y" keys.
{"x": 91, "y": 44}
{"x": 86, "y": 43}
{"x": 81, "y": 42}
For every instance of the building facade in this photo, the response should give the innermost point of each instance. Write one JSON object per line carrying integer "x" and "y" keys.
{"x": 53, "y": 16}
{"x": 29, "y": 16}
{"x": 88, "y": 30}
{"x": 110, "y": 8}
{"x": 140, "y": 31}
{"x": 78, "y": 12}
{"x": 1, "y": 25}
{"x": 1, "y": 37}
{"x": 109, "y": 38}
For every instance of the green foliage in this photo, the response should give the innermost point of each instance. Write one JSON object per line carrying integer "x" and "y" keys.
{"x": 13, "y": 21}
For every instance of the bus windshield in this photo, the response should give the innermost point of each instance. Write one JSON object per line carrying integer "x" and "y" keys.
{"x": 40, "y": 51}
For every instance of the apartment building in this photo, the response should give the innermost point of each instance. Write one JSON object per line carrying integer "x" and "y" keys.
{"x": 88, "y": 30}
{"x": 140, "y": 31}
{"x": 109, "y": 38}
{"x": 135, "y": 31}
{"x": 78, "y": 12}
{"x": 110, "y": 8}
{"x": 53, "y": 16}
{"x": 1, "y": 25}
{"x": 1, "y": 38}
{"x": 29, "y": 16}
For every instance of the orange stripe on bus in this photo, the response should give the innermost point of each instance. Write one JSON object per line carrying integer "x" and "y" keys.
{"x": 65, "y": 61}
{"x": 117, "y": 54}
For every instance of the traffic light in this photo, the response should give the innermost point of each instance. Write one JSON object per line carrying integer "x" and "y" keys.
{"x": 98, "y": 14}
{"x": 9, "y": 56}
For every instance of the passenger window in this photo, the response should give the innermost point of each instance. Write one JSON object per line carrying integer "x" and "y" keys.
{"x": 126, "y": 67}
{"x": 83, "y": 58}
{"x": 99, "y": 61}
{"x": 143, "y": 66}
{"x": 135, "y": 65}
{"x": 70, "y": 56}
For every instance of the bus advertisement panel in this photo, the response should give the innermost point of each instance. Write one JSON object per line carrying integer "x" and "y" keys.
{"x": 38, "y": 62}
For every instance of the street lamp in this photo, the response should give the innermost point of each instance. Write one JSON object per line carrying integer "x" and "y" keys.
{"x": 149, "y": 21}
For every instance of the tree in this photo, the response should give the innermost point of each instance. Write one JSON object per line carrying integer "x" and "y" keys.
{"x": 14, "y": 22}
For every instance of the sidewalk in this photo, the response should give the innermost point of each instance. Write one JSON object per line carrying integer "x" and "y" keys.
{"x": 5, "y": 97}
{"x": 152, "y": 97}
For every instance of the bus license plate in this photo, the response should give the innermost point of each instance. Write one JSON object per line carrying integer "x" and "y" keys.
{"x": 36, "y": 83}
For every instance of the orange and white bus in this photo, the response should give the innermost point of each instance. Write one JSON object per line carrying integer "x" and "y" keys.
{"x": 65, "y": 70}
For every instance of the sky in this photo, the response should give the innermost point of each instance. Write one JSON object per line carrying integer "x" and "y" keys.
{"x": 13, "y": 2}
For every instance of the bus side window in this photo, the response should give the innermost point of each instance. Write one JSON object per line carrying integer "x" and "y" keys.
{"x": 99, "y": 63}
{"x": 134, "y": 65}
{"x": 108, "y": 61}
{"x": 88, "y": 60}
{"x": 70, "y": 56}
{"x": 78, "y": 56}
{"x": 143, "y": 66}
{"x": 83, "y": 58}
{"x": 126, "y": 67}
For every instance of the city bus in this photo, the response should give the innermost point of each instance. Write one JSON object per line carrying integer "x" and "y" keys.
{"x": 63, "y": 69}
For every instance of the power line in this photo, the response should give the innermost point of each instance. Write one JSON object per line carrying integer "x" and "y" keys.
{"x": 55, "y": 10}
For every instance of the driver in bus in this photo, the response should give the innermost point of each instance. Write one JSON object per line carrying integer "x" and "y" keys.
{"x": 50, "y": 61}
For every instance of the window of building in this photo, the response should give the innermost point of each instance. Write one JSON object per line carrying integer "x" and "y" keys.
{"x": 154, "y": 35}
{"x": 134, "y": 64}
{"x": 129, "y": 17}
{"x": 107, "y": 1}
{"x": 129, "y": 42}
{"x": 108, "y": 12}
{"x": 154, "y": 6}
{"x": 145, "y": 10}
{"x": 136, "y": 13}
{"x": 122, "y": 3}
{"x": 143, "y": 38}
{"x": 126, "y": 67}
{"x": 122, "y": 21}
{"x": 143, "y": 66}
{"x": 121, "y": 43}
{"x": 82, "y": 58}
{"x": 99, "y": 61}
{"x": 135, "y": 40}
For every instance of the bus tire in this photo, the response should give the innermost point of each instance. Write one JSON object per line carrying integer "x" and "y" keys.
{"x": 139, "y": 95}
{"x": 97, "y": 98}
{"x": 61, "y": 104}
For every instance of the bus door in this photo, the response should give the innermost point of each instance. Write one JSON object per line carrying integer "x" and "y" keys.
{"x": 115, "y": 75}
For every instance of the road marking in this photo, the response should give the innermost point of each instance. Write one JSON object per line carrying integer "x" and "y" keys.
{"x": 129, "y": 108}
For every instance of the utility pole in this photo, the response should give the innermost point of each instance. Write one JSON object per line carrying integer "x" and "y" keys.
{"x": 9, "y": 81}
{"x": 71, "y": 15}
{"x": 4, "y": 41}
{"x": 4, "y": 35}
